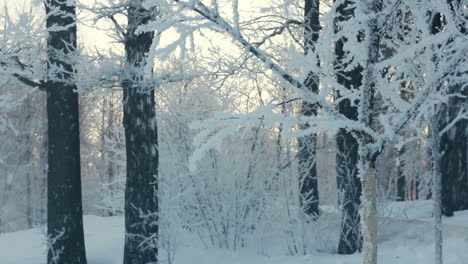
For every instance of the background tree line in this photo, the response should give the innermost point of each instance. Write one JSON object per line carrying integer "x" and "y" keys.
{"x": 303, "y": 108}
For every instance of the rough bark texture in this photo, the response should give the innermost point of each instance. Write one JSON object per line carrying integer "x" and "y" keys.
{"x": 401, "y": 178}
{"x": 454, "y": 161}
{"x": 64, "y": 207}
{"x": 369, "y": 217}
{"x": 454, "y": 143}
{"x": 436, "y": 187}
{"x": 28, "y": 160}
{"x": 308, "y": 185}
{"x": 110, "y": 154}
{"x": 369, "y": 195}
{"x": 141, "y": 138}
{"x": 349, "y": 187}
{"x": 348, "y": 182}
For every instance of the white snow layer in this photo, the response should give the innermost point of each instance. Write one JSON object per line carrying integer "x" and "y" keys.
{"x": 405, "y": 236}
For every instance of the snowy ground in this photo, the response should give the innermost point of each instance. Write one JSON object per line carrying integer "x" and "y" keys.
{"x": 405, "y": 238}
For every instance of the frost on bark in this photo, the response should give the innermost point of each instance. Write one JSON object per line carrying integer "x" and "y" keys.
{"x": 454, "y": 162}
{"x": 141, "y": 139}
{"x": 401, "y": 177}
{"x": 64, "y": 206}
{"x": 436, "y": 186}
{"x": 369, "y": 217}
{"x": 453, "y": 143}
{"x": 308, "y": 185}
{"x": 368, "y": 157}
{"x": 349, "y": 185}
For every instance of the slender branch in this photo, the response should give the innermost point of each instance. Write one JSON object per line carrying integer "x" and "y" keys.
{"x": 24, "y": 80}
{"x": 28, "y": 82}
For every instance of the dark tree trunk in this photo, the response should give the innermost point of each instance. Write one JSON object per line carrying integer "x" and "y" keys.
{"x": 401, "y": 178}
{"x": 416, "y": 187}
{"x": 308, "y": 185}
{"x": 402, "y": 154}
{"x": 350, "y": 189}
{"x": 43, "y": 181}
{"x": 453, "y": 163}
{"x": 349, "y": 184}
{"x": 64, "y": 207}
{"x": 454, "y": 143}
{"x": 141, "y": 138}
{"x": 110, "y": 158}
{"x": 29, "y": 205}
{"x": 103, "y": 150}
{"x": 28, "y": 160}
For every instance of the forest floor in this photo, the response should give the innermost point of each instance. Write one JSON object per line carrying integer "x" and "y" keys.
{"x": 405, "y": 237}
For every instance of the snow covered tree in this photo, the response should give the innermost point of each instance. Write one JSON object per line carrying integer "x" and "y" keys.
{"x": 454, "y": 142}
{"x": 436, "y": 183}
{"x": 455, "y": 160}
{"x": 141, "y": 142}
{"x": 247, "y": 95}
{"x": 448, "y": 141}
{"x": 22, "y": 59}
{"x": 360, "y": 31}
{"x": 21, "y": 155}
{"x": 401, "y": 178}
{"x": 64, "y": 206}
{"x": 349, "y": 185}
{"x": 309, "y": 194}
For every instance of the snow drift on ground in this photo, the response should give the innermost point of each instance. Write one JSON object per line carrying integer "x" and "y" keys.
{"x": 405, "y": 237}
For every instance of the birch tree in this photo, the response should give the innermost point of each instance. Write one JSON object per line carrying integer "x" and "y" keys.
{"x": 436, "y": 184}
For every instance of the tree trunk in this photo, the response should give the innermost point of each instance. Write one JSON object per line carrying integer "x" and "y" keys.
{"x": 110, "y": 158}
{"x": 349, "y": 184}
{"x": 368, "y": 159}
{"x": 401, "y": 178}
{"x": 43, "y": 181}
{"x": 64, "y": 206}
{"x": 349, "y": 187}
{"x": 436, "y": 186}
{"x": 29, "y": 205}
{"x": 454, "y": 143}
{"x": 454, "y": 161}
{"x": 28, "y": 160}
{"x": 141, "y": 138}
{"x": 102, "y": 167}
{"x": 308, "y": 185}
{"x": 369, "y": 216}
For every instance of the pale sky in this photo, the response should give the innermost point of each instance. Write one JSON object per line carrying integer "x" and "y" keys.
{"x": 89, "y": 37}
{"x": 86, "y": 35}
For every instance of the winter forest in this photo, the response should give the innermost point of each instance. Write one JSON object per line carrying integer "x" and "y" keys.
{"x": 233, "y": 131}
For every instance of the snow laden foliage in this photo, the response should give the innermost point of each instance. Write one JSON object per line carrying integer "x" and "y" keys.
{"x": 19, "y": 36}
{"x": 228, "y": 79}
{"x": 22, "y": 46}
{"x": 239, "y": 195}
{"x": 391, "y": 41}
{"x": 409, "y": 46}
